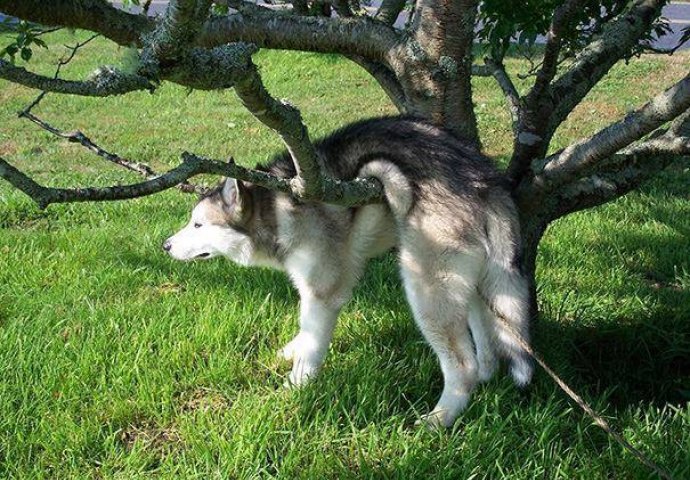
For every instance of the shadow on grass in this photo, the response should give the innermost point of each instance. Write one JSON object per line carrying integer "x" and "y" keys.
{"x": 648, "y": 362}
{"x": 645, "y": 359}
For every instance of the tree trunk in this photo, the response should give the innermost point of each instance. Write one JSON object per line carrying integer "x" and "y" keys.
{"x": 532, "y": 228}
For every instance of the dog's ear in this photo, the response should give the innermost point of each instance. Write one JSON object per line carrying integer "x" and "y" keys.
{"x": 234, "y": 195}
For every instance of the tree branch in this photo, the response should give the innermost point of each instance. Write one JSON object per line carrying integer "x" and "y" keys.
{"x": 352, "y": 193}
{"x": 628, "y": 172}
{"x": 95, "y": 15}
{"x": 595, "y": 60}
{"x": 498, "y": 71}
{"x": 361, "y": 36}
{"x": 167, "y": 56}
{"x": 287, "y": 122}
{"x": 104, "y": 82}
{"x": 548, "y": 104}
{"x": 561, "y": 20}
{"x": 386, "y": 79}
{"x": 44, "y": 196}
{"x": 78, "y": 137}
{"x": 389, "y": 10}
{"x": 573, "y": 160}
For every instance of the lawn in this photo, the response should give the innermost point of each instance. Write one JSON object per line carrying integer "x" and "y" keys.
{"x": 117, "y": 362}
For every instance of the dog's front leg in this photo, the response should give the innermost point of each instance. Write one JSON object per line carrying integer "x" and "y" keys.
{"x": 309, "y": 348}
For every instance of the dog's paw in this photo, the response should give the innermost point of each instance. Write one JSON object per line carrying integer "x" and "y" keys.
{"x": 300, "y": 375}
{"x": 286, "y": 353}
{"x": 306, "y": 360}
{"x": 295, "y": 348}
{"x": 437, "y": 419}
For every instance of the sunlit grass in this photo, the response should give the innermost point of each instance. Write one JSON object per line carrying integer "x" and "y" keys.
{"x": 116, "y": 362}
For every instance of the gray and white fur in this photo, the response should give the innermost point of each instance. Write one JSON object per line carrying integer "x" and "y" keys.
{"x": 448, "y": 213}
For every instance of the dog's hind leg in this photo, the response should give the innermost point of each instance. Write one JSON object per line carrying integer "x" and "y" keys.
{"x": 482, "y": 328}
{"x": 439, "y": 289}
{"x": 506, "y": 293}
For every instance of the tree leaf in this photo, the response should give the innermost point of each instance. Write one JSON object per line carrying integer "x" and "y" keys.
{"x": 26, "y": 54}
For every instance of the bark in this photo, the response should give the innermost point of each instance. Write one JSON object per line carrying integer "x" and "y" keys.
{"x": 287, "y": 121}
{"x": 265, "y": 28}
{"x": 351, "y": 193}
{"x": 104, "y": 82}
{"x": 94, "y": 15}
{"x": 584, "y": 155}
{"x": 389, "y": 10}
{"x": 348, "y": 36}
{"x": 438, "y": 67}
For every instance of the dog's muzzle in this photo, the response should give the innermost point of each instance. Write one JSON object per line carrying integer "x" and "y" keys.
{"x": 167, "y": 246}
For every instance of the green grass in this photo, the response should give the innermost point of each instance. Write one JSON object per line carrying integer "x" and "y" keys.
{"x": 117, "y": 362}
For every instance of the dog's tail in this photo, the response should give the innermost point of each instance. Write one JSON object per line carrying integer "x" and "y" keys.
{"x": 396, "y": 186}
{"x": 505, "y": 289}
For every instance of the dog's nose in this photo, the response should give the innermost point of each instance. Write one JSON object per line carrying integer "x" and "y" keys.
{"x": 167, "y": 246}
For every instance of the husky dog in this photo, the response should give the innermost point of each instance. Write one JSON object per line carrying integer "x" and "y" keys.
{"x": 447, "y": 212}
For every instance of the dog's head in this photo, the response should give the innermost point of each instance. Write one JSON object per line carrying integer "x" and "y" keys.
{"x": 216, "y": 226}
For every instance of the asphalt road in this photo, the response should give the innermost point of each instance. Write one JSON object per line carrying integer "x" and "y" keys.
{"x": 677, "y": 13}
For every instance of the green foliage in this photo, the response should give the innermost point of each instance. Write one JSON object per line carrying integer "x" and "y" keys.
{"x": 503, "y": 22}
{"x": 220, "y": 8}
{"x": 26, "y": 35}
{"x": 128, "y": 3}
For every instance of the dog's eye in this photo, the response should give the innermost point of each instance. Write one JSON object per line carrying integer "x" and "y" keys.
{"x": 197, "y": 225}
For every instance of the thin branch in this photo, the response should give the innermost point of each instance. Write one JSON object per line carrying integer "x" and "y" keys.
{"x": 104, "y": 82}
{"x": 389, "y": 10}
{"x": 512, "y": 96}
{"x": 79, "y": 137}
{"x": 351, "y": 193}
{"x": 594, "y": 61}
{"x": 73, "y": 51}
{"x": 386, "y": 79}
{"x": 412, "y": 16}
{"x": 599, "y": 420}
{"x": 551, "y": 101}
{"x": 287, "y": 122}
{"x": 573, "y": 160}
{"x": 561, "y": 20}
{"x": 61, "y": 63}
{"x": 145, "y": 8}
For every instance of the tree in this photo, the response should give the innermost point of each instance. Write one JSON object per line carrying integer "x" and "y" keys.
{"x": 425, "y": 69}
